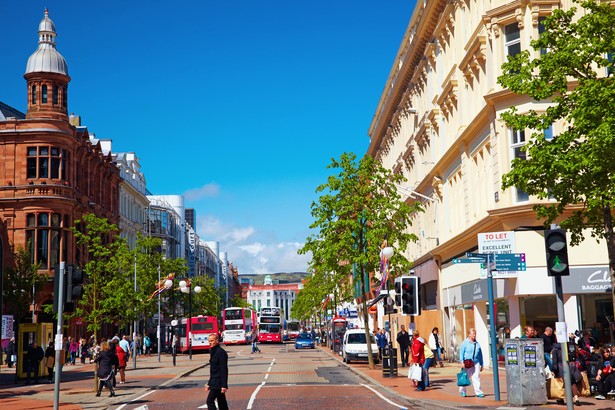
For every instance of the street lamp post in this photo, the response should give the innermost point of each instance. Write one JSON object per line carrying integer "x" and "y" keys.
{"x": 386, "y": 254}
{"x": 186, "y": 287}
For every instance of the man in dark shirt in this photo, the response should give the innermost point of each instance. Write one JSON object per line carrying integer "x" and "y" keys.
{"x": 218, "y": 375}
{"x": 403, "y": 340}
{"x": 548, "y": 338}
{"x": 33, "y": 360}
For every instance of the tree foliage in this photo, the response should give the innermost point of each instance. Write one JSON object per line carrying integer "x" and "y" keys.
{"x": 357, "y": 209}
{"x": 574, "y": 73}
{"x": 19, "y": 280}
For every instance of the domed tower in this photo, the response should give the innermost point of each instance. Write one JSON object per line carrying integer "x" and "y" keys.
{"x": 47, "y": 76}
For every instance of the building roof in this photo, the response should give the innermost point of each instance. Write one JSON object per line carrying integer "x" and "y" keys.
{"x": 46, "y": 58}
{"x": 10, "y": 112}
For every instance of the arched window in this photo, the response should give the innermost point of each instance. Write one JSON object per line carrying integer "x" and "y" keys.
{"x": 55, "y": 94}
{"x": 44, "y": 96}
{"x": 34, "y": 94}
{"x": 64, "y": 97}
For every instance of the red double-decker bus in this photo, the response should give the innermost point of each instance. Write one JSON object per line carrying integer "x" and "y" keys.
{"x": 238, "y": 325}
{"x": 270, "y": 326}
{"x": 197, "y": 328}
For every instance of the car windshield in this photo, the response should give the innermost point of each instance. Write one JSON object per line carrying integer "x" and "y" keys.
{"x": 305, "y": 336}
{"x": 359, "y": 338}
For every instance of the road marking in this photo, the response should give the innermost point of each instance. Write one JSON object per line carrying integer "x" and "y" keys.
{"x": 138, "y": 398}
{"x": 384, "y": 398}
{"x": 253, "y": 397}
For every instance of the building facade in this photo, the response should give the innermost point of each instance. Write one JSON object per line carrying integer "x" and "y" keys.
{"x": 273, "y": 295}
{"x": 438, "y": 123}
{"x": 52, "y": 173}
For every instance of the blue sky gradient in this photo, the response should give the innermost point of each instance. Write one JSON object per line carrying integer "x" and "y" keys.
{"x": 238, "y": 105}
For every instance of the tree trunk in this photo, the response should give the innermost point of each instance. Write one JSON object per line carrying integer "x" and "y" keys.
{"x": 610, "y": 245}
{"x": 370, "y": 358}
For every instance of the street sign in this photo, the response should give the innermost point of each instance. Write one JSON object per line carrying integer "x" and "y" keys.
{"x": 469, "y": 260}
{"x": 510, "y": 262}
{"x": 476, "y": 255}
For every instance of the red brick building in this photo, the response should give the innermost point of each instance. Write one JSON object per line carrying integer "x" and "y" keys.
{"x": 50, "y": 174}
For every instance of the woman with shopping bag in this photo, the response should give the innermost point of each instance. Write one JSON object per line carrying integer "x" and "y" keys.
{"x": 471, "y": 356}
{"x": 418, "y": 360}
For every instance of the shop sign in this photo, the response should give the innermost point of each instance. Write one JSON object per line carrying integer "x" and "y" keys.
{"x": 497, "y": 243}
{"x": 474, "y": 291}
{"x": 587, "y": 279}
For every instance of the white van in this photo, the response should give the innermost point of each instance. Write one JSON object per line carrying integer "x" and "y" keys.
{"x": 354, "y": 346}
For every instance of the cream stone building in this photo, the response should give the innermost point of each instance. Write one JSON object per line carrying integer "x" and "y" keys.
{"x": 438, "y": 123}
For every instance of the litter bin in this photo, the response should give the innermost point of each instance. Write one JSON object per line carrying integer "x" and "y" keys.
{"x": 389, "y": 363}
{"x": 525, "y": 371}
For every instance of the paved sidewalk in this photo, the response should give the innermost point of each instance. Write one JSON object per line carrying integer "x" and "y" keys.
{"x": 77, "y": 387}
{"x": 443, "y": 392}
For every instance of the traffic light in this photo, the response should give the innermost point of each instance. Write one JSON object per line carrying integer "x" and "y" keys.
{"x": 557, "y": 252}
{"x": 74, "y": 287}
{"x": 398, "y": 292}
{"x": 410, "y": 295}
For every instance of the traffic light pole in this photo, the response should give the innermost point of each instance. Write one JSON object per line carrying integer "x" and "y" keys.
{"x": 561, "y": 317}
{"x": 493, "y": 335}
{"x": 59, "y": 337}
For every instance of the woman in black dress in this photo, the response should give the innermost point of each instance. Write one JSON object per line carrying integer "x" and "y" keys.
{"x": 107, "y": 362}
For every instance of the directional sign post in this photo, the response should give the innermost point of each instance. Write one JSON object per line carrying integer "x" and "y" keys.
{"x": 488, "y": 259}
{"x": 510, "y": 262}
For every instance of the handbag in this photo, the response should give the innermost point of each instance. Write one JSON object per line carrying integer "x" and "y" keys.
{"x": 49, "y": 361}
{"x": 469, "y": 363}
{"x": 416, "y": 372}
{"x": 462, "y": 378}
{"x": 13, "y": 358}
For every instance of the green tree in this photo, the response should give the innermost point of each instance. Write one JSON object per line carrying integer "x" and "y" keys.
{"x": 20, "y": 280}
{"x": 102, "y": 255}
{"x": 358, "y": 208}
{"x": 576, "y": 167}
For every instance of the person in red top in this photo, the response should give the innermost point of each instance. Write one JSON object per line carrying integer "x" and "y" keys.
{"x": 121, "y": 357}
{"x": 418, "y": 356}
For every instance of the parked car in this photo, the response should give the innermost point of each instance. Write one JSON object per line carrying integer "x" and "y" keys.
{"x": 304, "y": 341}
{"x": 354, "y": 346}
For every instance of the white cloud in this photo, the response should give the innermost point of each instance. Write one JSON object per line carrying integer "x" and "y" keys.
{"x": 252, "y": 251}
{"x": 206, "y": 191}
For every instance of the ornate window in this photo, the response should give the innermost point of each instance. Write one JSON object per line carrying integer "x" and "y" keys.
{"x": 44, "y": 94}
{"x": 517, "y": 141}
{"x": 34, "y": 94}
{"x": 55, "y": 94}
{"x": 44, "y": 231}
{"x": 46, "y": 162}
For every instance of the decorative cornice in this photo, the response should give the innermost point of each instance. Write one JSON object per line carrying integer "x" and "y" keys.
{"x": 476, "y": 54}
{"x": 498, "y": 17}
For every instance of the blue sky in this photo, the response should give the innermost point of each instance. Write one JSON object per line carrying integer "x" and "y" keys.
{"x": 238, "y": 105}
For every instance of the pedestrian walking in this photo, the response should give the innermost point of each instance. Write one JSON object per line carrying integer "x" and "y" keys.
{"x": 381, "y": 341}
{"x": 33, "y": 361}
{"x": 254, "y": 340}
{"x": 11, "y": 352}
{"x": 122, "y": 359}
{"x": 403, "y": 340}
{"x": 73, "y": 348}
{"x": 429, "y": 358}
{"x": 50, "y": 360}
{"x": 148, "y": 345}
{"x": 548, "y": 338}
{"x": 418, "y": 357}
{"x": 471, "y": 356}
{"x": 107, "y": 363}
{"x": 436, "y": 346}
{"x": 218, "y": 375}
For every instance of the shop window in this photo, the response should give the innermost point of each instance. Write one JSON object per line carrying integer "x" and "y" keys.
{"x": 44, "y": 94}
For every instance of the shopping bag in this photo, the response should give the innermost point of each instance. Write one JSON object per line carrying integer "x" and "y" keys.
{"x": 585, "y": 389}
{"x": 555, "y": 388}
{"x": 548, "y": 372}
{"x": 13, "y": 358}
{"x": 462, "y": 378}
{"x": 415, "y": 372}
